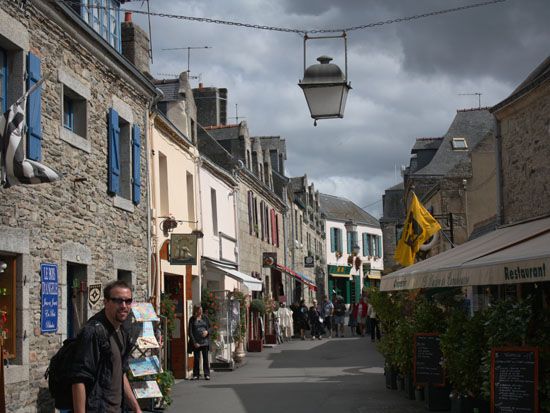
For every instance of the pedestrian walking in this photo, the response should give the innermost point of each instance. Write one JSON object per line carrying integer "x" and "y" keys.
{"x": 315, "y": 321}
{"x": 302, "y": 323}
{"x": 199, "y": 340}
{"x": 374, "y": 323}
{"x": 286, "y": 316}
{"x": 98, "y": 369}
{"x": 339, "y": 316}
{"x": 352, "y": 318}
{"x": 361, "y": 316}
{"x": 327, "y": 312}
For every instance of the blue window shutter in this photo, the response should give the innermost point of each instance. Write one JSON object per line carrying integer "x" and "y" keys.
{"x": 349, "y": 241}
{"x": 114, "y": 152}
{"x": 379, "y": 249}
{"x": 367, "y": 249}
{"x": 136, "y": 165}
{"x": 332, "y": 239}
{"x": 340, "y": 246}
{"x": 364, "y": 241}
{"x": 34, "y": 110}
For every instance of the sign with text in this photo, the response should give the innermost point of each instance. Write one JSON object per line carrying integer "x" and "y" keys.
{"x": 514, "y": 380}
{"x": 183, "y": 249}
{"x": 309, "y": 261}
{"x": 50, "y": 300}
{"x": 428, "y": 360}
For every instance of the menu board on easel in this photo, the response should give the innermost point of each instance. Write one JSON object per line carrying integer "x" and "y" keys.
{"x": 514, "y": 380}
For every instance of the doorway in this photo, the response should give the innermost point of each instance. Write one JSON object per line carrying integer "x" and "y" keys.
{"x": 77, "y": 294}
{"x": 174, "y": 290}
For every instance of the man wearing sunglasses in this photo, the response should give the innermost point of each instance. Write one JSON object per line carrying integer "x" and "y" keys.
{"x": 99, "y": 370}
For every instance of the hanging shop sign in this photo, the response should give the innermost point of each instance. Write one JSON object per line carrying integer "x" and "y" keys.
{"x": 340, "y": 271}
{"x": 49, "y": 300}
{"x": 309, "y": 261}
{"x": 183, "y": 249}
{"x": 269, "y": 259}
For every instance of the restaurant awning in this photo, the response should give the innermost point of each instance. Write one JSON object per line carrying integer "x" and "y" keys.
{"x": 300, "y": 277}
{"x": 509, "y": 255}
{"x": 252, "y": 283}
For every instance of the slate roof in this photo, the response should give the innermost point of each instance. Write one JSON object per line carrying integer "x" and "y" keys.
{"x": 221, "y": 133}
{"x": 170, "y": 88}
{"x": 397, "y": 187}
{"x": 471, "y": 124}
{"x": 342, "y": 209}
{"x": 426, "y": 143}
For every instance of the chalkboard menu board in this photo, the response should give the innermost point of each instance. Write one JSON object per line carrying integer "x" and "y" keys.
{"x": 428, "y": 359}
{"x": 514, "y": 380}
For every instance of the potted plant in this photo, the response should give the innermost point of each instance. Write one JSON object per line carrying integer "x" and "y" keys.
{"x": 165, "y": 381}
{"x": 463, "y": 345}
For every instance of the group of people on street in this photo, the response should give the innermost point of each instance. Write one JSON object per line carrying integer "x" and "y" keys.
{"x": 328, "y": 318}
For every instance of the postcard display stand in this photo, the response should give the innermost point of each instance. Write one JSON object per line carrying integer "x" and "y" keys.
{"x": 145, "y": 363}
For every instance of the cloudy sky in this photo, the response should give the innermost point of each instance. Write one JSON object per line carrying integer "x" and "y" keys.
{"x": 407, "y": 78}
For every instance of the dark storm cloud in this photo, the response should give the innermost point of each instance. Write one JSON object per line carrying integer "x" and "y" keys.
{"x": 406, "y": 77}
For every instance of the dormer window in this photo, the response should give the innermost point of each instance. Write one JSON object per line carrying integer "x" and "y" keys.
{"x": 459, "y": 144}
{"x": 104, "y": 17}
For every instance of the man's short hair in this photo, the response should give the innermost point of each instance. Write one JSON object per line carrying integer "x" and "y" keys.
{"x": 115, "y": 284}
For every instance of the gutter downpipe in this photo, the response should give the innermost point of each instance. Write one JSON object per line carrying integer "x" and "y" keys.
{"x": 498, "y": 139}
{"x": 159, "y": 95}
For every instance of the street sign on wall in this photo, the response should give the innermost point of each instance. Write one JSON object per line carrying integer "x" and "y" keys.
{"x": 309, "y": 261}
{"x": 49, "y": 301}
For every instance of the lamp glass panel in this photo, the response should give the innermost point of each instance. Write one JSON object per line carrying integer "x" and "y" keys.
{"x": 325, "y": 101}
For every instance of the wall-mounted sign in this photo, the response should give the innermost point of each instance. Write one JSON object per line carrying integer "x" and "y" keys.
{"x": 269, "y": 259}
{"x": 309, "y": 261}
{"x": 50, "y": 302}
{"x": 183, "y": 249}
{"x": 94, "y": 294}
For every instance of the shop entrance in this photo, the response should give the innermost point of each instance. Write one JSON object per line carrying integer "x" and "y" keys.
{"x": 77, "y": 294}
{"x": 174, "y": 289}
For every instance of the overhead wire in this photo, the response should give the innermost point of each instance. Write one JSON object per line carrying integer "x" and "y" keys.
{"x": 294, "y": 30}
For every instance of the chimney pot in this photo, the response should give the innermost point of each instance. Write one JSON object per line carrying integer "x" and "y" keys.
{"x": 128, "y": 17}
{"x": 200, "y": 85}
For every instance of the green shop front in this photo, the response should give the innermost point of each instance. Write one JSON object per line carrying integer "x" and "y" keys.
{"x": 342, "y": 282}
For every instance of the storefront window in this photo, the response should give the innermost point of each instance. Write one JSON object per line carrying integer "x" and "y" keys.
{"x": 7, "y": 304}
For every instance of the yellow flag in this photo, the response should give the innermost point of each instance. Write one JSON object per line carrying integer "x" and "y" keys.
{"x": 419, "y": 227}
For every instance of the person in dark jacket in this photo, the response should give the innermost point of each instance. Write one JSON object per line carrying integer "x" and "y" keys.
{"x": 315, "y": 322}
{"x": 98, "y": 372}
{"x": 199, "y": 338}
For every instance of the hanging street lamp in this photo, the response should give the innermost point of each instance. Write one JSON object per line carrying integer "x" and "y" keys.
{"x": 324, "y": 84}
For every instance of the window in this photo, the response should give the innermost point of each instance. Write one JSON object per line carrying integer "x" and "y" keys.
{"x": 124, "y": 158}
{"x": 352, "y": 241}
{"x": 190, "y": 197}
{"x": 335, "y": 239}
{"x": 3, "y": 80}
{"x": 104, "y": 17}
{"x": 163, "y": 185}
{"x": 459, "y": 144}
{"x": 250, "y": 213}
{"x": 7, "y": 303}
{"x": 77, "y": 298}
{"x": 214, "y": 203}
{"x": 366, "y": 245}
{"x": 74, "y": 112}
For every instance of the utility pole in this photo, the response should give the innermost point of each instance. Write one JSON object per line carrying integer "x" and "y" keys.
{"x": 189, "y": 48}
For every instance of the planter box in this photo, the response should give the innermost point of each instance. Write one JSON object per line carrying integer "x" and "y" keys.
{"x": 437, "y": 398}
{"x": 255, "y": 346}
{"x": 467, "y": 405}
{"x": 391, "y": 378}
{"x": 270, "y": 339}
{"x": 409, "y": 387}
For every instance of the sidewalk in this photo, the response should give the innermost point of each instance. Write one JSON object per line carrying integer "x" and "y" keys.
{"x": 329, "y": 375}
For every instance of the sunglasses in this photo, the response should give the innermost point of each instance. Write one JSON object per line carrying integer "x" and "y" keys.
{"x": 119, "y": 301}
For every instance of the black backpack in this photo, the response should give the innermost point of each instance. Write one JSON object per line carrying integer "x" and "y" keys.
{"x": 59, "y": 384}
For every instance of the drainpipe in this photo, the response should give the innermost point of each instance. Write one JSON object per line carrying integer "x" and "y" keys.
{"x": 498, "y": 139}
{"x": 149, "y": 108}
{"x": 198, "y": 217}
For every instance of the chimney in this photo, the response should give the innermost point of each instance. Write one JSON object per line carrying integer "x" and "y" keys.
{"x": 135, "y": 44}
{"x": 211, "y": 105}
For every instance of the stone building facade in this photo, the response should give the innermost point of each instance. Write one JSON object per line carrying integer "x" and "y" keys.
{"x": 90, "y": 229}
{"x": 523, "y": 150}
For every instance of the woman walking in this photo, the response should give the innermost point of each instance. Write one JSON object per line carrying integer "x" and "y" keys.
{"x": 199, "y": 333}
{"x": 301, "y": 319}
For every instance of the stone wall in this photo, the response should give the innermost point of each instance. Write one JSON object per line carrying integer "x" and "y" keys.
{"x": 73, "y": 221}
{"x": 525, "y": 131}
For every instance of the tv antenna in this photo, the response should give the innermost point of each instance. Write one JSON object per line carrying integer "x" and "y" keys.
{"x": 188, "y": 48}
{"x": 474, "y": 94}
{"x": 236, "y": 117}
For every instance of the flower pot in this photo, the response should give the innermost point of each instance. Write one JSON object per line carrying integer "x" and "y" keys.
{"x": 391, "y": 378}
{"x": 437, "y": 398}
{"x": 255, "y": 346}
{"x": 239, "y": 354}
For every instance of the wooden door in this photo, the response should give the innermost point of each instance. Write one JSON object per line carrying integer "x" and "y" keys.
{"x": 173, "y": 287}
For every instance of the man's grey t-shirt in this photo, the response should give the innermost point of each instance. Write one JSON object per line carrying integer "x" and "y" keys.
{"x": 113, "y": 396}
